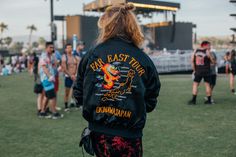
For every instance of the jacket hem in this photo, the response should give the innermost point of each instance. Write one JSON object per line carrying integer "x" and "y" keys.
{"x": 116, "y": 132}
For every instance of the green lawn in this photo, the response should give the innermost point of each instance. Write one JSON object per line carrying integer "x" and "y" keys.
{"x": 174, "y": 129}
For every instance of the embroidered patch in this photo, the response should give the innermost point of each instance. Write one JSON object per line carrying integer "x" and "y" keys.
{"x": 115, "y": 76}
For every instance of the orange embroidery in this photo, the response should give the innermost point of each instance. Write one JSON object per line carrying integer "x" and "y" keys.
{"x": 110, "y": 75}
{"x": 122, "y": 89}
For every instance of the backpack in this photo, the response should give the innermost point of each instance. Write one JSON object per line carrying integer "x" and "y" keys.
{"x": 67, "y": 60}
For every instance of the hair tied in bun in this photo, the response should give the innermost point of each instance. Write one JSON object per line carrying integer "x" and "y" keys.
{"x": 129, "y": 6}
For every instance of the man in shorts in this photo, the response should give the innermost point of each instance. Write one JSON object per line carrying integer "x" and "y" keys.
{"x": 38, "y": 88}
{"x": 213, "y": 74}
{"x": 47, "y": 77}
{"x": 69, "y": 64}
{"x": 201, "y": 60}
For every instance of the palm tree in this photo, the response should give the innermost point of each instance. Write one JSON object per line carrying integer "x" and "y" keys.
{"x": 8, "y": 41}
{"x": 31, "y": 28}
{"x": 3, "y": 27}
{"x": 1, "y": 42}
{"x": 41, "y": 41}
{"x": 35, "y": 44}
{"x": 17, "y": 47}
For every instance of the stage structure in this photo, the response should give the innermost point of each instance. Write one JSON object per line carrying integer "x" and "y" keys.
{"x": 85, "y": 27}
{"x": 165, "y": 34}
{"x": 142, "y": 6}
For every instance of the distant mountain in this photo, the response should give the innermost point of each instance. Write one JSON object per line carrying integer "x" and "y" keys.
{"x": 217, "y": 37}
{"x": 25, "y": 39}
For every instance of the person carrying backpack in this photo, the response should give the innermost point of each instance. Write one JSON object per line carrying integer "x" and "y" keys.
{"x": 69, "y": 66}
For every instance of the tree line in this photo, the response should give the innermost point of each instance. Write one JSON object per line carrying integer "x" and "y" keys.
{"x": 16, "y": 47}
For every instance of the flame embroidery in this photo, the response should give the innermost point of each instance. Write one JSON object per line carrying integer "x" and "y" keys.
{"x": 110, "y": 75}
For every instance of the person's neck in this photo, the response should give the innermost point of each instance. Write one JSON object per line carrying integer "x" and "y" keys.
{"x": 69, "y": 54}
{"x": 49, "y": 54}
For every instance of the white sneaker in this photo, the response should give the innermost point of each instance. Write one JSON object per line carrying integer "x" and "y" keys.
{"x": 212, "y": 100}
{"x": 45, "y": 115}
{"x": 78, "y": 108}
{"x": 57, "y": 115}
{"x": 67, "y": 109}
{"x": 58, "y": 108}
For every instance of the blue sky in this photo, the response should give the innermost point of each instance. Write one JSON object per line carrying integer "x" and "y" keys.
{"x": 211, "y": 16}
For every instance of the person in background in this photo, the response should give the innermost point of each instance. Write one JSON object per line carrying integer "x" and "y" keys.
{"x": 232, "y": 70}
{"x": 117, "y": 84}
{"x": 14, "y": 60}
{"x": 80, "y": 52}
{"x": 47, "y": 77}
{"x": 201, "y": 60}
{"x": 1, "y": 63}
{"x": 5, "y": 71}
{"x": 30, "y": 63}
{"x": 35, "y": 65}
{"x": 226, "y": 59}
{"x": 21, "y": 62}
{"x": 9, "y": 68}
{"x": 57, "y": 72}
{"x": 69, "y": 65}
{"x": 213, "y": 75}
{"x": 56, "y": 68}
{"x": 38, "y": 88}
{"x": 26, "y": 57}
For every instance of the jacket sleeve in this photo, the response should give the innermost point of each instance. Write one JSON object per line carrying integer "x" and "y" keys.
{"x": 153, "y": 86}
{"x": 78, "y": 85}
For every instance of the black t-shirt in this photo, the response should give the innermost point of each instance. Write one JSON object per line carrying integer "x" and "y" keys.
{"x": 36, "y": 62}
{"x": 233, "y": 64}
{"x": 202, "y": 62}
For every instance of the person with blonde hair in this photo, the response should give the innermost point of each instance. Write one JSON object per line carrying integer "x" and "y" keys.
{"x": 117, "y": 84}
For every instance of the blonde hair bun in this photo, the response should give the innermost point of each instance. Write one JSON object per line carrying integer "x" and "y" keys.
{"x": 129, "y": 6}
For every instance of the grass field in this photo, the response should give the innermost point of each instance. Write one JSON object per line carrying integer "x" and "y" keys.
{"x": 174, "y": 129}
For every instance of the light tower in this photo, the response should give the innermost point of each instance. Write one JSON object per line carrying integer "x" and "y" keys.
{"x": 233, "y": 29}
{"x": 52, "y": 24}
